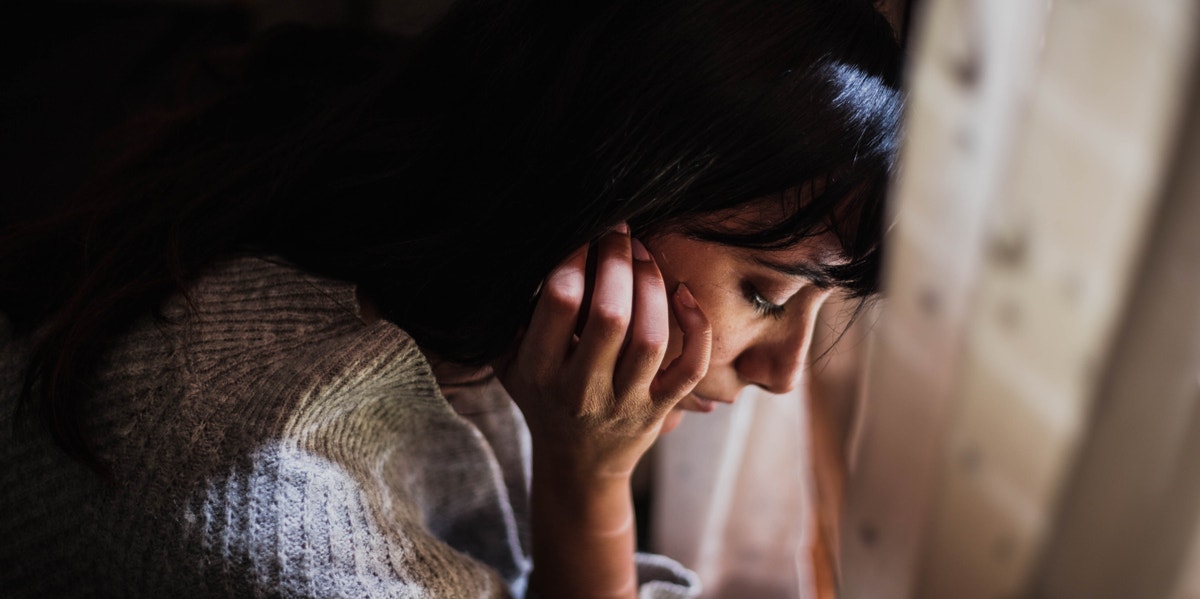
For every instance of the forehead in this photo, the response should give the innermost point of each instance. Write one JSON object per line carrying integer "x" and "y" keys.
{"x": 687, "y": 258}
{"x": 810, "y": 258}
{"x": 823, "y": 247}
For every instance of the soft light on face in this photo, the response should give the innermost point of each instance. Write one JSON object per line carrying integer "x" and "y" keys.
{"x": 762, "y": 305}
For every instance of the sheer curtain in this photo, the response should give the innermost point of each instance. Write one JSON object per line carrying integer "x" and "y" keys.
{"x": 731, "y": 494}
{"x": 750, "y": 495}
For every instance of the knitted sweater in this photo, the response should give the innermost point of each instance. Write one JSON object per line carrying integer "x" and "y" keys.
{"x": 265, "y": 441}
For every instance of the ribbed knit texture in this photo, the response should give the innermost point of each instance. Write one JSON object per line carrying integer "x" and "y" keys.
{"x": 265, "y": 441}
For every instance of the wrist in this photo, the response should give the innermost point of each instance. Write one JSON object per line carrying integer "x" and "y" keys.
{"x": 599, "y": 502}
{"x": 557, "y": 468}
{"x": 584, "y": 535}
{"x": 597, "y": 463}
{"x": 577, "y": 482}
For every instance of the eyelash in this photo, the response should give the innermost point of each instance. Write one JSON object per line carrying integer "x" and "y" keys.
{"x": 761, "y": 304}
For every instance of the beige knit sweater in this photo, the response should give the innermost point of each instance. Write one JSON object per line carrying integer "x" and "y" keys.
{"x": 265, "y": 441}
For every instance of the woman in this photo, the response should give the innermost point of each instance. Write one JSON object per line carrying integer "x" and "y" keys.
{"x": 273, "y": 340}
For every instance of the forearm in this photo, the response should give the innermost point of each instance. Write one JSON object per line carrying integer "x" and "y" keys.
{"x": 595, "y": 400}
{"x": 583, "y": 535}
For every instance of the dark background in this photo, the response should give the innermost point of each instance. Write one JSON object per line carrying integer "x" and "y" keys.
{"x": 71, "y": 72}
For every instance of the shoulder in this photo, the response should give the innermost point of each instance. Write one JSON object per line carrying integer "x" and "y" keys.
{"x": 267, "y": 348}
{"x": 263, "y": 314}
{"x": 268, "y": 296}
{"x": 299, "y": 442}
{"x": 265, "y": 440}
{"x": 256, "y": 351}
{"x": 339, "y": 437}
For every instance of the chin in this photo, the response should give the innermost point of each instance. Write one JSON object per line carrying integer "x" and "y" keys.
{"x": 674, "y": 417}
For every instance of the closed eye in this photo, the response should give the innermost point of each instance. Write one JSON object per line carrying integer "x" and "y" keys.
{"x": 761, "y": 304}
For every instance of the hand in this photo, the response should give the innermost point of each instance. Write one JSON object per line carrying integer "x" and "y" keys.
{"x": 595, "y": 402}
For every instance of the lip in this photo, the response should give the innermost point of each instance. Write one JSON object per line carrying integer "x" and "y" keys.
{"x": 700, "y": 403}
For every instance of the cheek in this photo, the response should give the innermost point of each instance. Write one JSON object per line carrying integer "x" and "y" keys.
{"x": 725, "y": 351}
{"x": 730, "y": 335}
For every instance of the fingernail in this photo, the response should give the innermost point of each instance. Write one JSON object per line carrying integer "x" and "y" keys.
{"x": 685, "y": 296}
{"x": 622, "y": 228}
{"x": 639, "y": 251}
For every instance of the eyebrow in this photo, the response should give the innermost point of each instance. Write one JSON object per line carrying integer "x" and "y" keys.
{"x": 816, "y": 273}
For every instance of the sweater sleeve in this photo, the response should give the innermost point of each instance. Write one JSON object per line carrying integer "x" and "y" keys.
{"x": 660, "y": 577}
{"x": 293, "y": 524}
{"x": 315, "y": 456}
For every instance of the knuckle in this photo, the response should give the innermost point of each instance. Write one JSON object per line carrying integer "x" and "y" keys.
{"x": 610, "y": 317}
{"x": 562, "y": 294}
{"x": 685, "y": 384}
{"x": 645, "y": 356}
{"x": 692, "y": 372}
{"x": 654, "y": 346}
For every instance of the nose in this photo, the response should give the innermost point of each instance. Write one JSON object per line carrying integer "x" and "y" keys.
{"x": 775, "y": 360}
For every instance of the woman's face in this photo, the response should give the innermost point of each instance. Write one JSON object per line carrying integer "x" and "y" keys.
{"x": 762, "y": 306}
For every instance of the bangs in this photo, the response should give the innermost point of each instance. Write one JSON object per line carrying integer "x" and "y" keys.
{"x": 832, "y": 151}
{"x": 851, "y": 208}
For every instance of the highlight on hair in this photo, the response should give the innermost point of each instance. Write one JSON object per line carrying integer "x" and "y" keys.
{"x": 446, "y": 176}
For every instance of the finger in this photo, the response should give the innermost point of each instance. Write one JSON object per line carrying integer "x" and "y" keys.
{"x": 649, "y": 327}
{"x": 682, "y": 375}
{"x": 608, "y": 315}
{"x": 548, "y": 338}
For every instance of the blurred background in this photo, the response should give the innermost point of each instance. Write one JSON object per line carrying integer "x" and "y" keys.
{"x": 1016, "y": 418}
{"x": 1031, "y": 424}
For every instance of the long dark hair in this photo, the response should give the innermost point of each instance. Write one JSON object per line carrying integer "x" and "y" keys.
{"x": 446, "y": 177}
